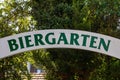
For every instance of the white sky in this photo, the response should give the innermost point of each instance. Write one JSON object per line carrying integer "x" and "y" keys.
{"x": 1, "y": 0}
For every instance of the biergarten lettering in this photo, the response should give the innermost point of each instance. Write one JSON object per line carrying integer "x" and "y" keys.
{"x": 59, "y": 38}
{"x": 74, "y": 40}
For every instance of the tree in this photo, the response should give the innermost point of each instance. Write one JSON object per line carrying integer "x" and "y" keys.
{"x": 61, "y": 15}
{"x": 105, "y": 21}
{"x": 96, "y": 16}
{"x": 15, "y": 18}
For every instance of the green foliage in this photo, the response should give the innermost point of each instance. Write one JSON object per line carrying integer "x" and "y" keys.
{"x": 65, "y": 64}
{"x": 60, "y": 64}
{"x": 14, "y": 68}
{"x": 15, "y": 18}
{"x": 108, "y": 70}
{"x": 92, "y": 15}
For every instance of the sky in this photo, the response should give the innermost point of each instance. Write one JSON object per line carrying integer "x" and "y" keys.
{"x": 1, "y": 0}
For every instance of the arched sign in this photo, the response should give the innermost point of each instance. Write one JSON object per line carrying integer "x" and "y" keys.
{"x": 59, "y": 38}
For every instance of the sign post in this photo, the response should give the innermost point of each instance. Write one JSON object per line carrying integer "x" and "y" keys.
{"x": 59, "y": 38}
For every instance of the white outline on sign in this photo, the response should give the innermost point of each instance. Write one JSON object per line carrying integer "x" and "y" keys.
{"x": 114, "y": 47}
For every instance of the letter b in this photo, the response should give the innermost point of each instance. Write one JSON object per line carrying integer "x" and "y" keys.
{"x": 13, "y": 45}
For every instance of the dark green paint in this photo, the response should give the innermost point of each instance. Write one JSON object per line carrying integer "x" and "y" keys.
{"x": 93, "y": 41}
{"x": 38, "y": 39}
{"x": 21, "y": 42}
{"x": 102, "y": 43}
{"x": 74, "y": 39}
{"x": 47, "y": 39}
{"x": 85, "y": 39}
{"x": 62, "y": 38}
{"x": 13, "y": 45}
{"x": 28, "y": 41}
